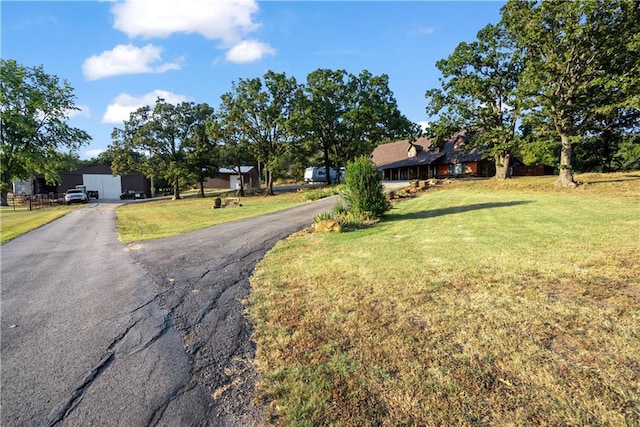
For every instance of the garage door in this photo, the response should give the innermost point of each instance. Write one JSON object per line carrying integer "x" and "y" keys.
{"x": 234, "y": 181}
{"x": 108, "y": 186}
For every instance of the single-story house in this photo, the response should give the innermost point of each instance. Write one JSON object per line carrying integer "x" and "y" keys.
{"x": 422, "y": 159}
{"x": 229, "y": 178}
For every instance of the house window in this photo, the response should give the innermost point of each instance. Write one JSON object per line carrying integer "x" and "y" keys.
{"x": 456, "y": 169}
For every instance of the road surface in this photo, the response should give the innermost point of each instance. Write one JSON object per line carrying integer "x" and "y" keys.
{"x": 96, "y": 332}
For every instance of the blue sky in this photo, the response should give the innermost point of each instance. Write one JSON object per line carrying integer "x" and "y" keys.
{"x": 120, "y": 55}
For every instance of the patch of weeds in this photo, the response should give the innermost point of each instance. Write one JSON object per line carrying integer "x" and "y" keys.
{"x": 322, "y": 217}
{"x": 309, "y": 195}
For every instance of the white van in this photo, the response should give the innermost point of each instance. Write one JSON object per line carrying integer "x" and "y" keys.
{"x": 319, "y": 174}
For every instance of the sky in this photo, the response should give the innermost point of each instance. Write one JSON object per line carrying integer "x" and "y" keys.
{"x": 121, "y": 55}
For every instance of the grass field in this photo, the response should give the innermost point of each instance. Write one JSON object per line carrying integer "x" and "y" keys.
{"x": 14, "y": 223}
{"x": 163, "y": 218}
{"x": 477, "y": 303}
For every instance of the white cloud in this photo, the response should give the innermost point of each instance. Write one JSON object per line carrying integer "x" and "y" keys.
{"x": 229, "y": 22}
{"x": 226, "y": 20}
{"x": 423, "y": 31}
{"x": 424, "y": 125}
{"x": 124, "y": 104}
{"x": 248, "y": 51}
{"x": 90, "y": 154}
{"x": 127, "y": 59}
{"x": 83, "y": 111}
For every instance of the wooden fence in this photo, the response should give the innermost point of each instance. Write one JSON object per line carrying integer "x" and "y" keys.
{"x": 36, "y": 201}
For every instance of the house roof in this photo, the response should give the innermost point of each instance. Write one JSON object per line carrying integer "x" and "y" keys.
{"x": 92, "y": 170}
{"x": 454, "y": 151}
{"x": 395, "y": 154}
{"x": 243, "y": 169}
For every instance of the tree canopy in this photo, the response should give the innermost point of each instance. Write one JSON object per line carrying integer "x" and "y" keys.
{"x": 35, "y": 132}
{"x": 344, "y": 116}
{"x": 167, "y": 139}
{"x": 582, "y": 60}
{"x": 479, "y": 94}
{"x": 257, "y": 112}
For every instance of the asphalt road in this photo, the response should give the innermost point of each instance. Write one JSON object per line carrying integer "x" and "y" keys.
{"x": 96, "y": 332}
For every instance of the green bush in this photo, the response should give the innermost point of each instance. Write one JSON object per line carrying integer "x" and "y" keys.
{"x": 363, "y": 190}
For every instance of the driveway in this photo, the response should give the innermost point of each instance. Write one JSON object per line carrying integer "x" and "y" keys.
{"x": 95, "y": 332}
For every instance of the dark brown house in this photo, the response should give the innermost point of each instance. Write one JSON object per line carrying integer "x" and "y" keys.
{"x": 422, "y": 159}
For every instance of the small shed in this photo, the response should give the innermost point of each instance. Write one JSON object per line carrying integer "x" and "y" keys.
{"x": 230, "y": 178}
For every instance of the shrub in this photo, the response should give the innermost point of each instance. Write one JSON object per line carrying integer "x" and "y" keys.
{"x": 339, "y": 208}
{"x": 363, "y": 190}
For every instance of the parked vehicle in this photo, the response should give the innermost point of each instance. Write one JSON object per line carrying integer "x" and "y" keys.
{"x": 91, "y": 194}
{"x": 319, "y": 174}
{"x": 75, "y": 195}
{"x": 131, "y": 194}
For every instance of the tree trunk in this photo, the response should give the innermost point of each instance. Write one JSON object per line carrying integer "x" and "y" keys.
{"x": 565, "y": 179}
{"x": 327, "y": 168}
{"x": 607, "y": 150}
{"x": 176, "y": 189}
{"x": 240, "y": 191}
{"x": 4, "y": 198}
{"x": 202, "y": 188}
{"x": 502, "y": 166}
{"x": 269, "y": 183}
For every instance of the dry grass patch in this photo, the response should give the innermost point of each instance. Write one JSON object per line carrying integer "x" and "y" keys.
{"x": 467, "y": 306}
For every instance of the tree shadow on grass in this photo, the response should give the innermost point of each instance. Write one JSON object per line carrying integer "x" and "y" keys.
{"x": 432, "y": 213}
{"x": 620, "y": 179}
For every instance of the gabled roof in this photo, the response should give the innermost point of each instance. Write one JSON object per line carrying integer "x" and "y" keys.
{"x": 243, "y": 169}
{"x": 395, "y": 154}
{"x": 454, "y": 151}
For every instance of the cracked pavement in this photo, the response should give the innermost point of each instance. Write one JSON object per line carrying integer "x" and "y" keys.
{"x": 96, "y": 332}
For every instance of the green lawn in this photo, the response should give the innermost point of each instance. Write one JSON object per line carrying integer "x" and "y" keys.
{"x": 163, "y": 218}
{"x": 477, "y": 303}
{"x": 14, "y": 223}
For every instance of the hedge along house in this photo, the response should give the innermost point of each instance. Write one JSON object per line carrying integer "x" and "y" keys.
{"x": 422, "y": 159}
{"x": 230, "y": 178}
{"x": 100, "y": 178}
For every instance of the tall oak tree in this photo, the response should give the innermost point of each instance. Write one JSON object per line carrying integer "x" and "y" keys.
{"x": 34, "y": 113}
{"x": 576, "y": 52}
